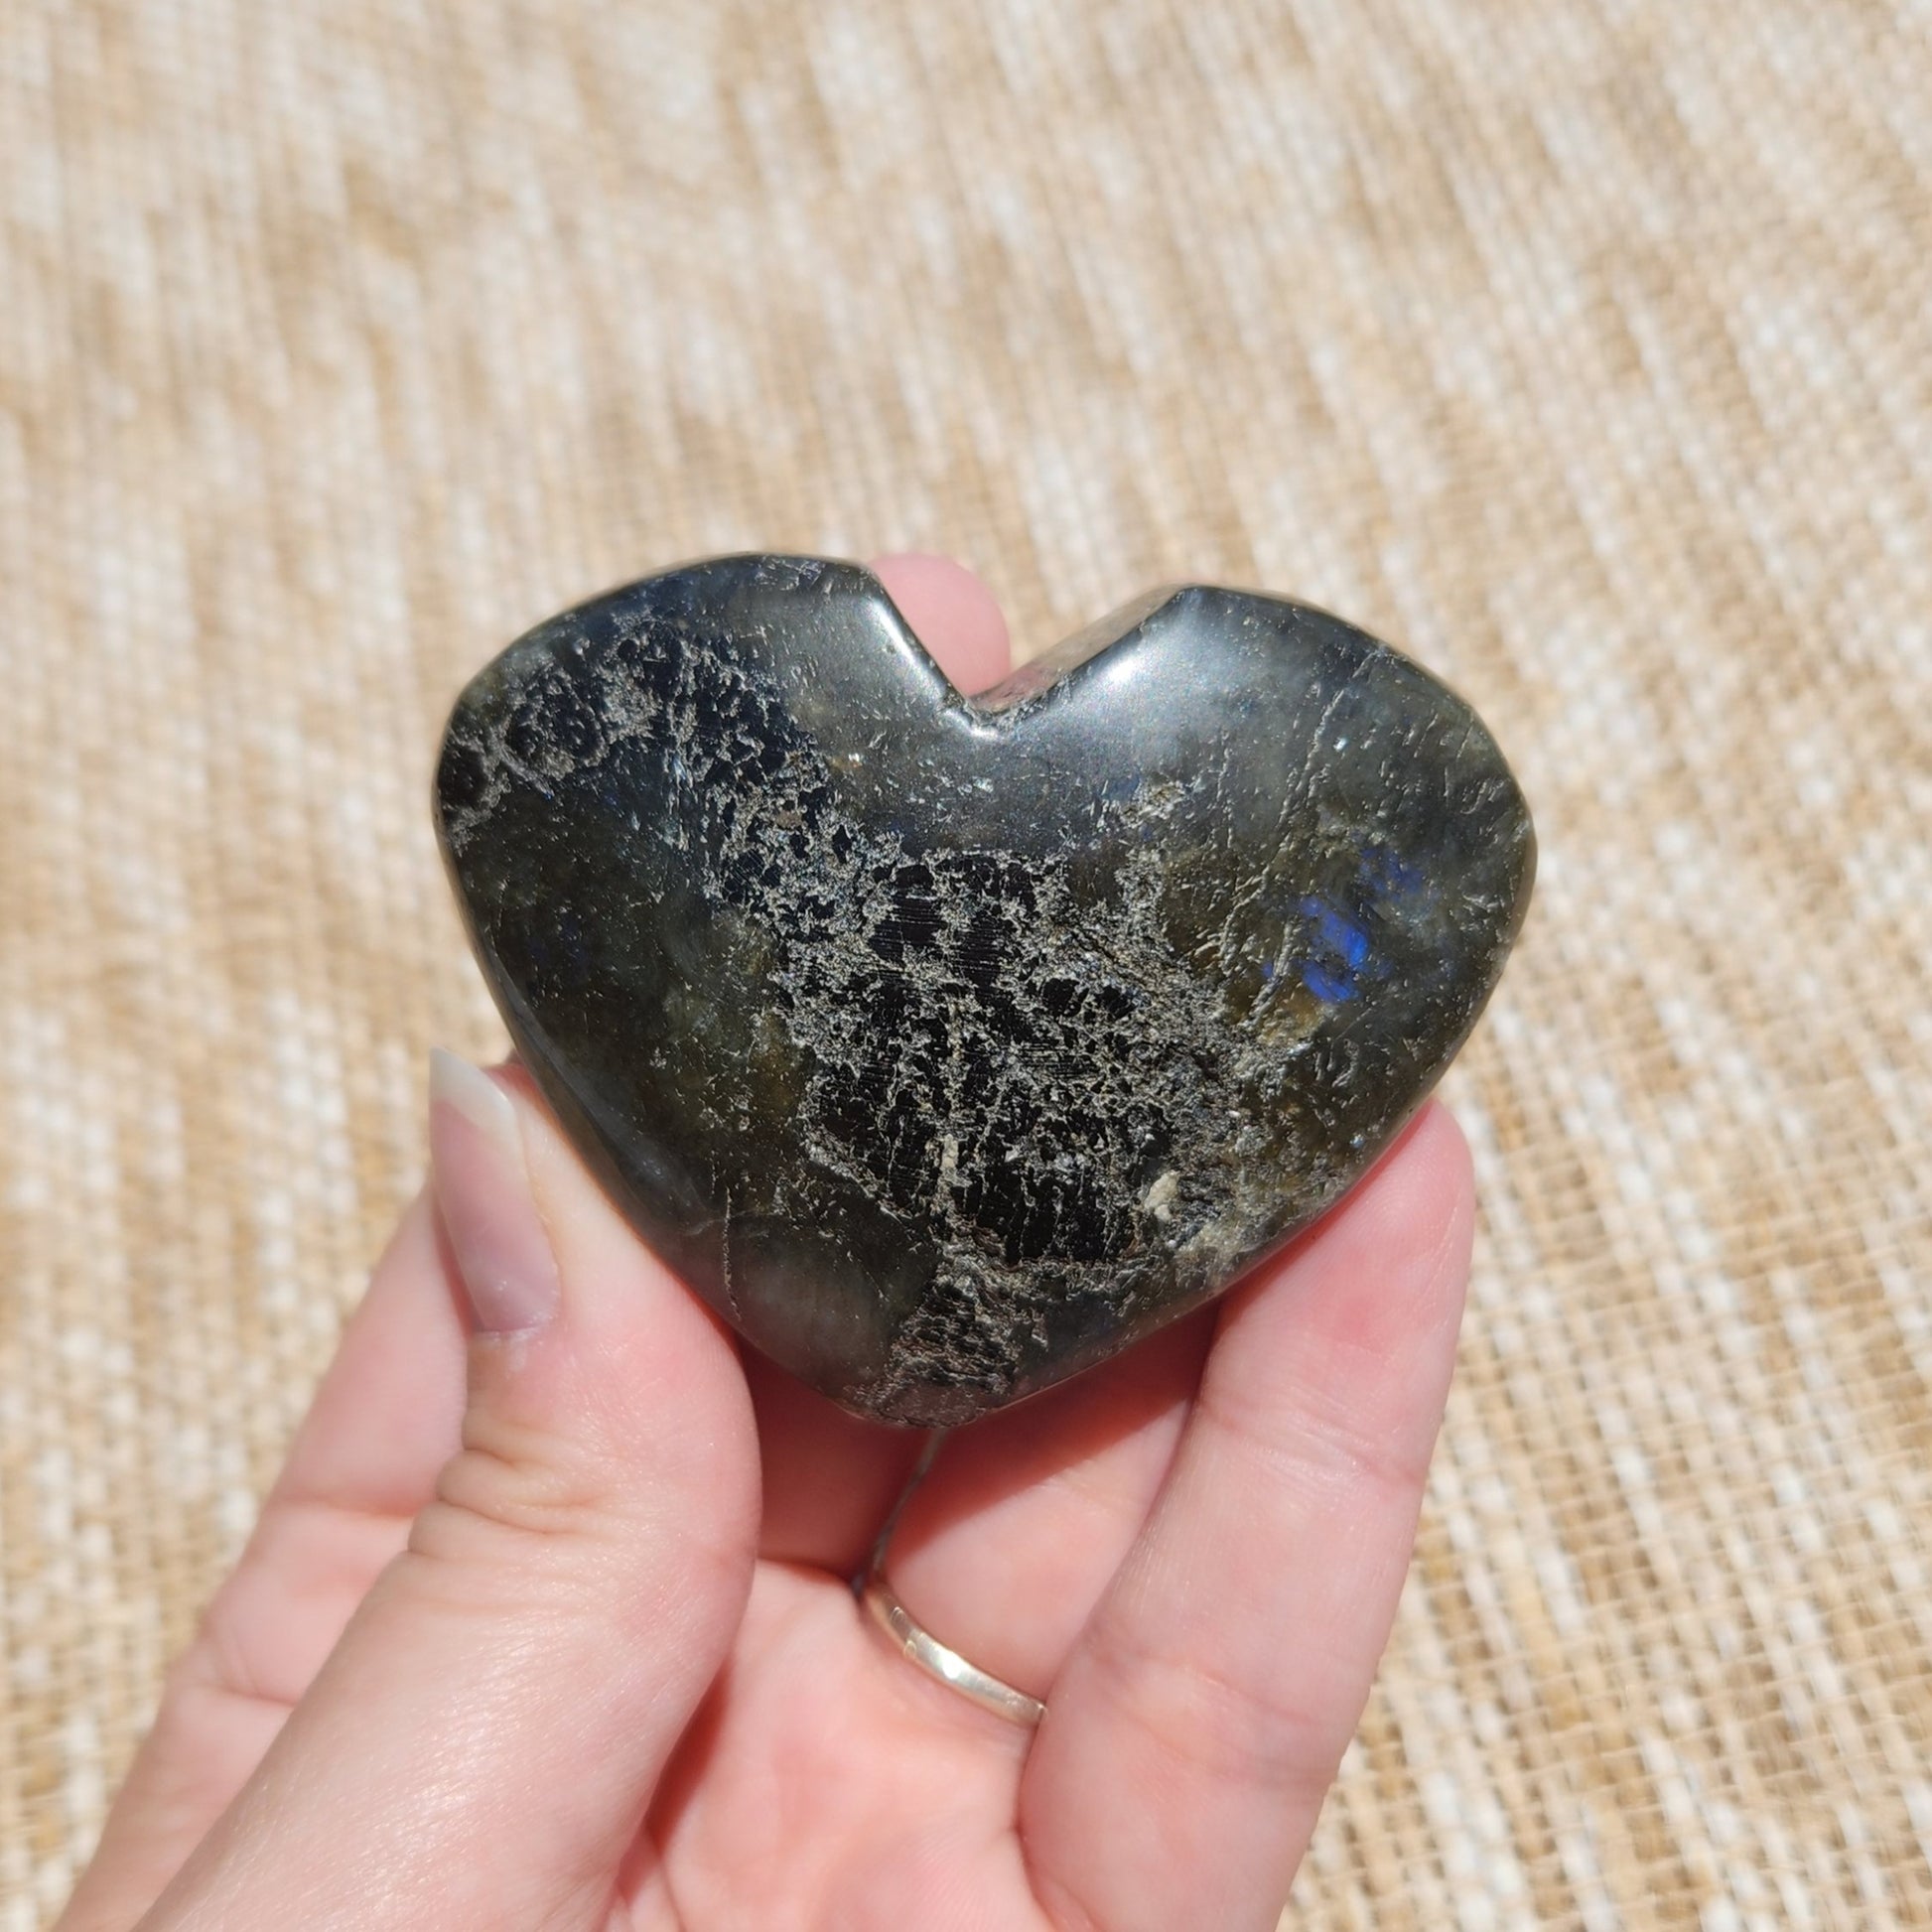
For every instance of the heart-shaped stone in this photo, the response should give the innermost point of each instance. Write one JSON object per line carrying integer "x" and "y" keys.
{"x": 946, "y": 1045}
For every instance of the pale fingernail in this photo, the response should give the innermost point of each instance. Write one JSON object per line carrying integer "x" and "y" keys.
{"x": 482, "y": 1192}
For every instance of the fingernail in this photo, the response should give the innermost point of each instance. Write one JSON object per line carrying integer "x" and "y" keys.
{"x": 482, "y": 1191}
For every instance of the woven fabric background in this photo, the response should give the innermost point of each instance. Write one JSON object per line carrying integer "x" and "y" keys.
{"x": 1582, "y": 348}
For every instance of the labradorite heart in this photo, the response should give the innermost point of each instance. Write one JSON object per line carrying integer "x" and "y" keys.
{"x": 947, "y": 1046}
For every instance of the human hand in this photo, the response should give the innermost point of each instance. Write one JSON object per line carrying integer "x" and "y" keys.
{"x": 568, "y": 1641}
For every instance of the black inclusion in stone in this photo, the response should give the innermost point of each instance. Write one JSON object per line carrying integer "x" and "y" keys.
{"x": 947, "y": 1046}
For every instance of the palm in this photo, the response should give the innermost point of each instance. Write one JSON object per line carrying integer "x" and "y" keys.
{"x": 900, "y": 1796}
{"x": 1192, "y": 1554}
{"x": 817, "y": 1790}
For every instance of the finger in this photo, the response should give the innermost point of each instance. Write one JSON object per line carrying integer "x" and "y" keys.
{"x": 387, "y": 1414}
{"x": 952, "y": 613}
{"x": 383, "y": 1421}
{"x": 829, "y": 1477}
{"x": 1008, "y": 1544}
{"x": 1216, "y": 1687}
{"x": 480, "y": 1745}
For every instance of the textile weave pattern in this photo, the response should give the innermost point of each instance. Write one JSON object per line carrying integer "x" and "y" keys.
{"x": 1582, "y": 350}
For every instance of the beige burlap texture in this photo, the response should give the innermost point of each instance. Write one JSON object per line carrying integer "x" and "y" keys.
{"x": 1582, "y": 348}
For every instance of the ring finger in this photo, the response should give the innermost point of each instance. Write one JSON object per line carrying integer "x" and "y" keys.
{"x": 1003, "y": 1549}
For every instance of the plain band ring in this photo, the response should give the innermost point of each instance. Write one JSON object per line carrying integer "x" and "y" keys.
{"x": 916, "y": 1643}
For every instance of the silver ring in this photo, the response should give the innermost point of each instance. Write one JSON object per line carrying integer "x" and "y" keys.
{"x": 917, "y": 1644}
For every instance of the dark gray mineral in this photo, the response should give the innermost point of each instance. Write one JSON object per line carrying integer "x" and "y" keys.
{"x": 947, "y": 1046}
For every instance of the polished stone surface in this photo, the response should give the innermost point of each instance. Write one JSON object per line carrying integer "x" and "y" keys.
{"x": 948, "y": 1046}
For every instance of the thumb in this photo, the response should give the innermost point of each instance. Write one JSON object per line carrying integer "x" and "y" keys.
{"x": 481, "y": 1745}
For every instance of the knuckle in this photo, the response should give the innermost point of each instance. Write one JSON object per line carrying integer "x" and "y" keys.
{"x": 1332, "y": 1442}
{"x": 513, "y": 1492}
{"x": 520, "y": 1517}
{"x": 1212, "y": 1725}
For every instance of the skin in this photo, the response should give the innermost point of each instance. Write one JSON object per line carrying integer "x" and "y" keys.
{"x": 553, "y": 1628}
